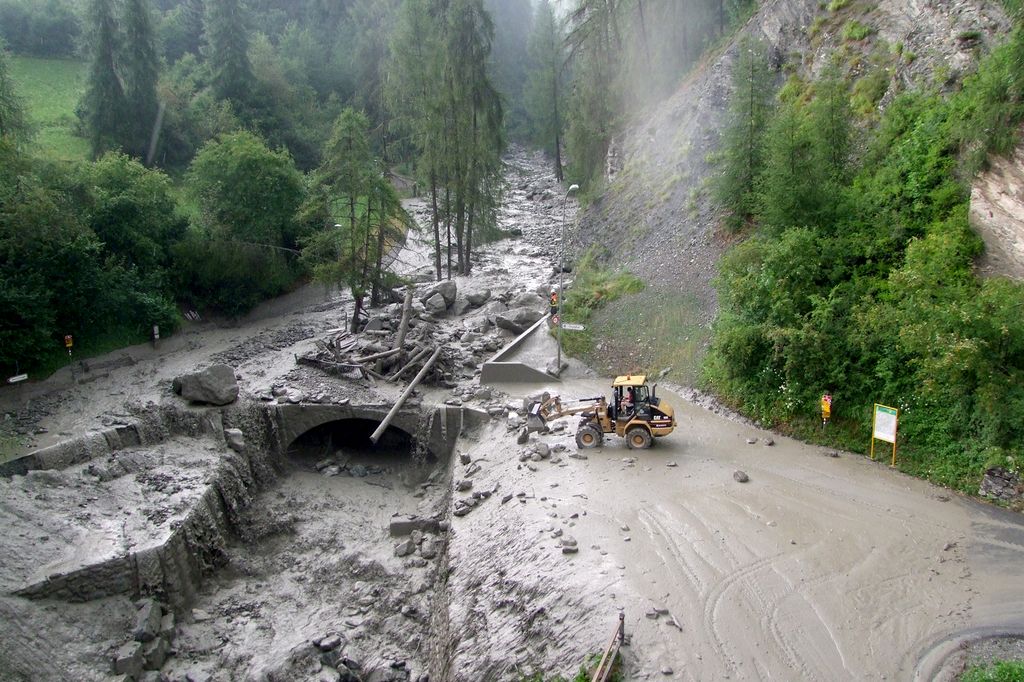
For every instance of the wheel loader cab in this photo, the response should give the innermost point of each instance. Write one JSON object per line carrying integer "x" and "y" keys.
{"x": 637, "y": 413}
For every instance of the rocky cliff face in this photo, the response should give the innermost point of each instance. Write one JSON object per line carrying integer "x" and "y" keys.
{"x": 656, "y": 217}
{"x": 997, "y": 213}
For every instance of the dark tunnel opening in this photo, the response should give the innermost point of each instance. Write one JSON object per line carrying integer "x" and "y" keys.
{"x": 349, "y": 439}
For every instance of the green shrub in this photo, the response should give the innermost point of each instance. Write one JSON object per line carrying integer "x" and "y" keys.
{"x": 230, "y": 277}
{"x": 879, "y": 301}
{"x": 853, "y": 30}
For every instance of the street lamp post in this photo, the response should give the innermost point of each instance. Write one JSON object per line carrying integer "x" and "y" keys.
{"x": 561, "y": 270}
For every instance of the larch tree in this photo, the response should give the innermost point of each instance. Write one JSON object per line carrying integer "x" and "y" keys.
{"x": 476, "y": 120}
{"x": 104, "y": 105}
{"x": 141, "y": 70}
{"x": 544, "y": 90}
{"x": 414, "y": 95}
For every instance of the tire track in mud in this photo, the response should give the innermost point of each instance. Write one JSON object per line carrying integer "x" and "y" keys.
{"x": 796, "y": 659}
{"x": 660, "y": 524}
{"x": 714, "y": 598}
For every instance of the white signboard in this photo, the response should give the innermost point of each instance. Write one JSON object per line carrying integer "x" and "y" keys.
{"x": 573, "y": 327}
{"x": 885, "y": 423}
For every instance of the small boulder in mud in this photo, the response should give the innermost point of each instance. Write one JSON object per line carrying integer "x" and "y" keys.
{"x": 740, "y": 476}
{"x": 235, "y": 439}
{"x": 215, "y": 385}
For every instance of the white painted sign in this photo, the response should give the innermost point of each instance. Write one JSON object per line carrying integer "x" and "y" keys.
{"x": 885, "y": 423}
{"x": 573, "y": 327}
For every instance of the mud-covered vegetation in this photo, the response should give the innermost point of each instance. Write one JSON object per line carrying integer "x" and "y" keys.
{"x": 857, "y": 277}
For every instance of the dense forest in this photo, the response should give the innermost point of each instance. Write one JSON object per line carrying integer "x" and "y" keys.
{"x": 236, "y": 148}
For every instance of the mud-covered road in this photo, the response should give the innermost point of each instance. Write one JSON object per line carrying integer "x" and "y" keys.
{"x": 819, "y": 567}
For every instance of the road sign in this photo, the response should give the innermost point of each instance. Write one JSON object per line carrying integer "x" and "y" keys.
{"x": 555, "y": 319}
{"x": 573, "y": 327}
{"x": 883, "y": 427}
{"x": 69, "y": 341}
{"x": 17, "y": 378}
{"x": 885, "y": 423}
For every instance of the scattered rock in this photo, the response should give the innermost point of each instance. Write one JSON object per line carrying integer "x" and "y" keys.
{"x": 751, "y": 441}
{"x": 740, "y": 476}
{"x": 523, "y": 437}
{"x": 128, "y": 659}
{"x": 405, "y": 548}
{"x": 155, "y": 653}
{"x": 769, "y": 442}
{"x": 147, "y": 621}
{"x": 235, "y": 439}
{"x": 328, "y": 642}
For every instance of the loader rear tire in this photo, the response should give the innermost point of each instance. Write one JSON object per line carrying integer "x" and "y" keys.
{"x": 638, "y": 438}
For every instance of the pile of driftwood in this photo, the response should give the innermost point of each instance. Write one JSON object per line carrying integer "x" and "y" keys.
{"x": 345, "y": 354}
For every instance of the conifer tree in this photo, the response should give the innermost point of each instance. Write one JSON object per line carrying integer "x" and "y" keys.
{"x": 105, "y": 108}
{"x": 13, "y": 122}
{"x": 227, "y": 51}
{"x": 743, "y": 139}
{"x": 141, "y": 69}
{"x": 545, "y": 86}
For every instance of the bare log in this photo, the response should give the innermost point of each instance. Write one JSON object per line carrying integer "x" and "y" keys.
{"x": 403, "y": 328}
{"x": 416, "y": 358}
{"x": 402, "y": 398}
{"x": 378, "y": 356}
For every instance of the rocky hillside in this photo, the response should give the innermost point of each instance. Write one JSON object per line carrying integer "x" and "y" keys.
{"x": 656, "y": 218}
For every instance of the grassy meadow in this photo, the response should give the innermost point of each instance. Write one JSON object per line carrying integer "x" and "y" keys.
{"x": 51, "y": 89}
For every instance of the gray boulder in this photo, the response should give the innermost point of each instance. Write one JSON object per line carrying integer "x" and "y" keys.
{"x": 448, "y": 290}
{"x": 435, "y": 304}
{"x": 461, "y": 307}
{"x": 518, "y": 319}
{"x": 215, "y": 385}
{"x": 478, "y": 298}
{"x": 528, "y": 299}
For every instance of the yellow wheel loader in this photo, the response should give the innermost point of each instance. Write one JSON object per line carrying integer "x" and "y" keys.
{"x": 634, "y": 413}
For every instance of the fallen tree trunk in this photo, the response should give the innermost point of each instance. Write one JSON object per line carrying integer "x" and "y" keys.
{"x": 403, "y": 328}
{"x": 402, "y": 398}
{"x": 416, "y": 358}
